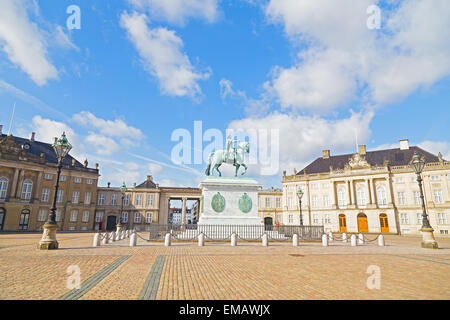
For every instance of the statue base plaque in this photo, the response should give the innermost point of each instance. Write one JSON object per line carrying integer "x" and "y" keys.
{"x": 229, "y": 201}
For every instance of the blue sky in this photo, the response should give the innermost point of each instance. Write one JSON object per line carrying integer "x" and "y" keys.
{"x": 137, "y": 70}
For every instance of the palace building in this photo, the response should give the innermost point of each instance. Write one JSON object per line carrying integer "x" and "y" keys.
{"x": 27, "y": 185}
{"x": 370, "y": 191}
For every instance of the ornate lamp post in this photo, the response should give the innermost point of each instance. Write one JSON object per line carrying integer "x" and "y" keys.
{"x": 417, "y": 164}
{"x": 300, "y": 196}
{"x": 62, "y": 148}
{"x": 119, "y": 226}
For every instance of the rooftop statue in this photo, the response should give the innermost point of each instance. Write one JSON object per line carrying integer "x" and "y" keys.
{"x": 231, "y": 155}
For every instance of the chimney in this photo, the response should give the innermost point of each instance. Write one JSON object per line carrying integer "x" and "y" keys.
{"x": 295, "y": 171}
{"x": 362, "y": 149}
{"x": 149, "y": 178}
{"x": 85, "y": 163}
{"x": 134, "y": 185}
{"x": 96, "y": 166}
{"x": 404, "y": 144}
{"x": 32, "y": 135}
{"x": 109, "y": 184}
{"x": 1, "y": 129}
{"x": 326, "y": 154}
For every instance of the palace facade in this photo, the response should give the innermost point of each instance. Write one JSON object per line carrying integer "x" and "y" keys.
{"x": 28, "y": 171}
{"x": 373, "y": 191}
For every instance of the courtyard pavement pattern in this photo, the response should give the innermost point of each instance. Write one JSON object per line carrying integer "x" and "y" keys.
{"x": 219, "y": 271}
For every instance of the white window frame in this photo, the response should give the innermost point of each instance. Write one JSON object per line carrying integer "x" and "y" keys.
{"x": 87, "y": 197}
{"x": 150, "y": 200}
{"x": 404, "y": 218}
{"x": 148, "y": 217}
{"x": 442, "y": 218}
{"x": 401, "y": 198}
{"x": 138, "y": 199}
{"x": 27, "y": 189}
{"x": 342, "y": 197}
{"x": 326, "y": 201}
{"x": 114, "y": 199}
{"x": 42, "y": 215}
{"x": 314, "y": 201}
{"x": 60, "y": 196}
{"x": 85, "y": 217}
{"x": 3, "y": 188}
{"x": 137, "y": 217}
{"x": 124, "y": 216}
{"x": 45, "y": 195}
{"x": 73, "y": 215}
{"x": 381, "y": 196}
{"x": 89, "y": 181}
{"x": 267, "y": 202}
{"x": 62, "y": 178}
{"x": 77, "y": 180}
{"x": 101, "y": 199}
{"x": 75, "y": 197}
{"x": 437, "y": 196}
{"x": 99, "y": 216}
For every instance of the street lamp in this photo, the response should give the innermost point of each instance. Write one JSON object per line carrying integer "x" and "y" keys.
{"x": 123, "y": 189}
{"x": 417, "y": 163}
{"x": 300, "y": 195}
{"x": 62, "y": 148}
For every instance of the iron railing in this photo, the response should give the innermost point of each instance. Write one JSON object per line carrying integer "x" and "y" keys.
{"x": 243, "y": 232}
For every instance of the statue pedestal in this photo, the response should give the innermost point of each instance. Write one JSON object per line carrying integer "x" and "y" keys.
{"x": 229, "y": 201}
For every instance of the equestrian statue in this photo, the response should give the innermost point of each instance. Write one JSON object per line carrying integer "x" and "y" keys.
{"x": 231, "y": 155}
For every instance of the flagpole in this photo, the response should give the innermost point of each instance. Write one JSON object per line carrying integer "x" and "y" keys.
{"x": 12, "y": 118}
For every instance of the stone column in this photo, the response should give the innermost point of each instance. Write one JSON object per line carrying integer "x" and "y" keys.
{"x": 389, "y": 193}
{"x": 183, "y": 212}
{"x": 372, "y": 191}
{"x": 352, "y": 188}
{"x": 38, "y": 186}
{"x": 349, "y": 193}
{"x": 14, "y": 184}
{"x": 369, "y": 196}
{"x": 335, "y": 200}
{"x": 19, "y": 184}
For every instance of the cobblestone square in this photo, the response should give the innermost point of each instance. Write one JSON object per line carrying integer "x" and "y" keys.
{"x": 184, "y": 270}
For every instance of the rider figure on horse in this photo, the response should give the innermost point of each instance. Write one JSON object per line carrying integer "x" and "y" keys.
{"x": 231, "y": 149}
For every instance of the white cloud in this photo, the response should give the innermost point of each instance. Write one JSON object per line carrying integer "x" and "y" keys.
{"x": 160, "y": 50}
{"x": 46, "y": 130}
{"x": 178, "y": 11}
{"x": 344, "y": 60}
{"x": 437, "y": 146}
{"x": 102, "y": 145}
{"x": 63, "y": 40}
{"x": 302, "y": 137}
{"x": 23, "y": 42}
{"x": 116, "y": 128}
{"x": 154, "y": 168}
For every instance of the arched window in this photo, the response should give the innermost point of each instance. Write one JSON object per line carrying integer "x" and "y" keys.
{"x": 361, "y": 197}
{"x": 381, "y": 195}
{"x": 26, "y": 189}
{"x": 342, "y": 201}
{"x": 3, "y": 187}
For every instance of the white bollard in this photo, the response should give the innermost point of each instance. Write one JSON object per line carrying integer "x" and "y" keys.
{"x": 128, "y": 233}
{"x": 265, "y": 240}
{"x": 133, "y": 239}
{"x": 122, "y": 235}
{"x": 295, "y": 240}
{"x": 113, "y": 235}
{"x": 330, "y": 236}
{"x": 325, "y": 240}
{"x": 117, "y": 235}
{"x": 201, "y": 240}
{"x": 381, "y": 240}
{"x": 96, "y": 242}
{"x": 360, "y": 238}
{"x": 344, "y": 237}
{"x": 167, "y": 240}
{"x": 353, "y": 240}
{"x": 234, "y": 240}
{"x": 105, "y": 238}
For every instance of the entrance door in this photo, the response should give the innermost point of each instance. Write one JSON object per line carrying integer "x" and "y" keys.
{"x": 363, "y": 225}
{"x": 384, "y": 223}
{"x": 24, "y": 220}
{"x": 268, "y": 223}
{"x": 111, "y": 223}
{"x": 2, "y": 217}
{"x": 342, "y": 223}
